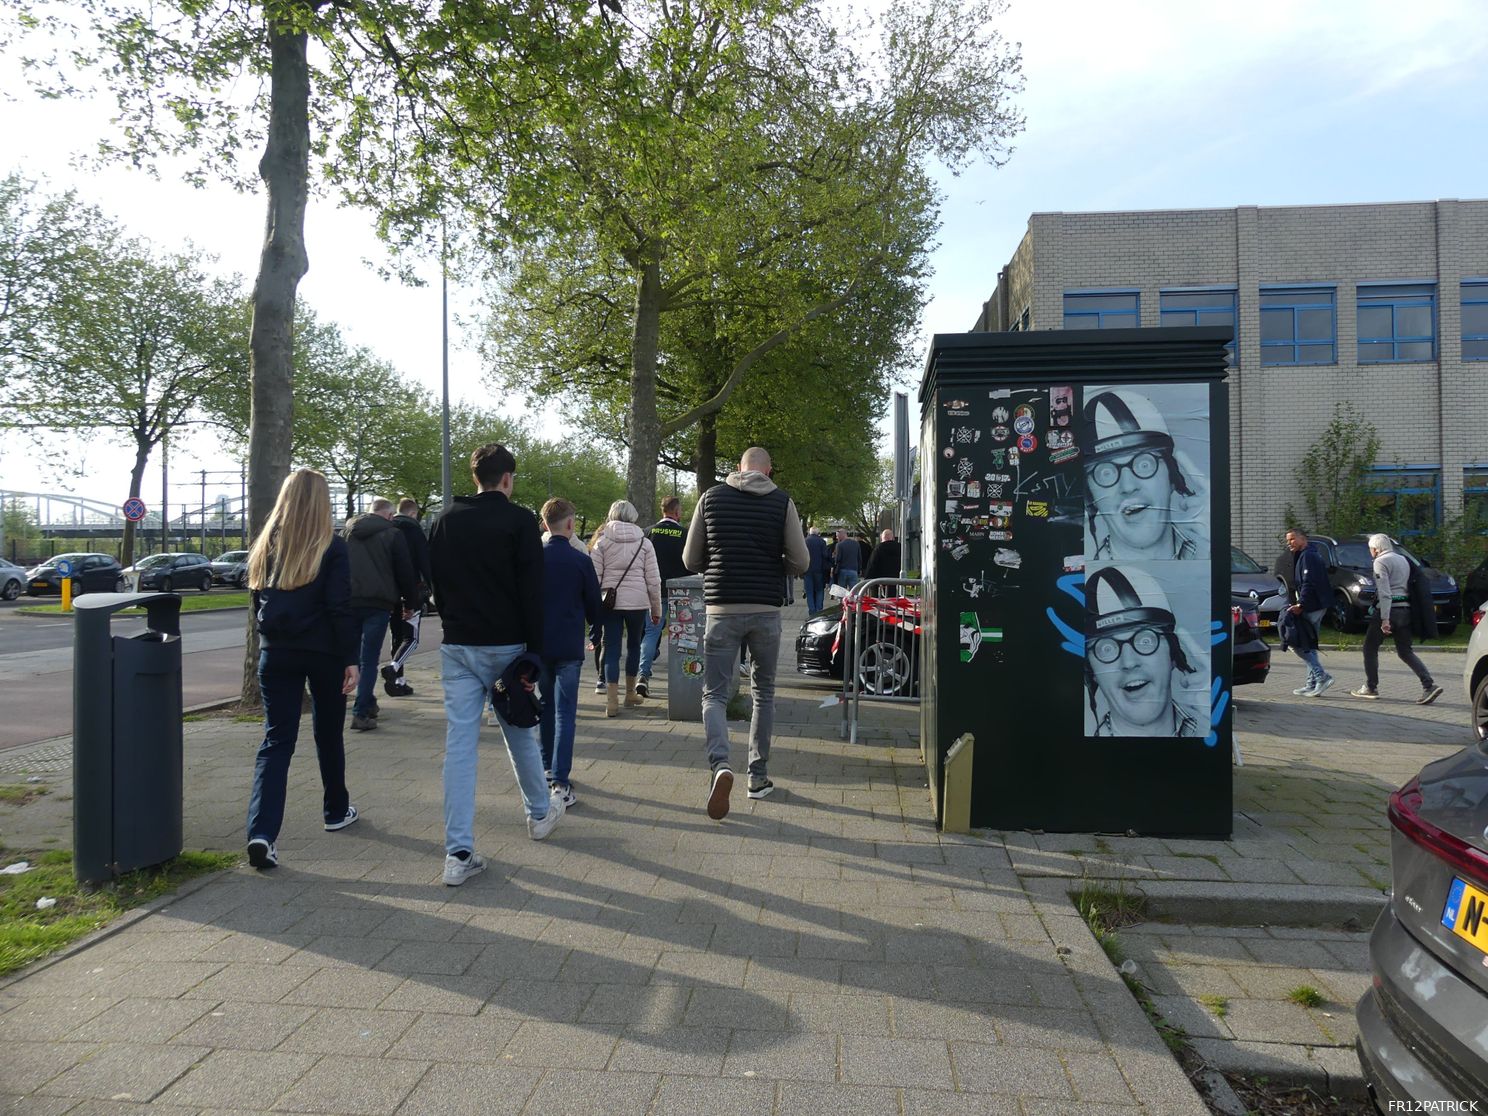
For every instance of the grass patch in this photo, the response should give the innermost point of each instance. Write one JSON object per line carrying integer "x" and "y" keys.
{"x": 1219, "y": 1005}
{"x": 1105, "y": 910}
{"x": 1352, "y": 641}
{"x": 27, "y": 934}
{"x": 247, "y": 718}
{"x": 196, "y": 602}
{"x": 18, "y": 794}
{"x": 1306, "y": 995}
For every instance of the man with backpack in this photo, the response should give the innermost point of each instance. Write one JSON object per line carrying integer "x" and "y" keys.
{"x": 1393, "y": 615}
{"x": 382, "y": 579}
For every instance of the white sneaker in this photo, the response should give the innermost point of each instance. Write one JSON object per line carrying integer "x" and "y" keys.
{"x": 1304, "y": 690}
{"x": 541, "y": 827}
{"x": 565, "y": 792}
{"x": 1323, "y": 683}
{"x": 457, "y": 871}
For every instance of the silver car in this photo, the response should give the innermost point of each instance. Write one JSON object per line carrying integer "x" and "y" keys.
{"x": 1423, "y": 1027}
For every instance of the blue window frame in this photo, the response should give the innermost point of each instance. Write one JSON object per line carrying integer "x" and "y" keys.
{"x": 1407, "y": 498}
{"x": 1475, "y": 319}
{"x": 1397, "y": 322}
{"x": 1207, "y": 307}
{"x": 1100, "y": 309}
{"x": 1475, "y": 496}
{"x": 1299, "y": 325}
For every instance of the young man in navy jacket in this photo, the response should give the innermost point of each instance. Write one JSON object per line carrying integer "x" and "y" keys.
{"x": 1310, "y": 594}
{"x": 570, "y": 605}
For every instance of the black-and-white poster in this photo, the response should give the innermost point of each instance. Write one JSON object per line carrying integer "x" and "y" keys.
{"x": 1147, "y": 669}
{"x": 1146, "y": 459}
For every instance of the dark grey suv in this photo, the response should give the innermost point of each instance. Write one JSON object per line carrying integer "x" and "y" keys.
{"x": 1423, "y": 1027}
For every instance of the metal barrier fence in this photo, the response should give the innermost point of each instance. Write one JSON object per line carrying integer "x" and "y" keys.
{"x": 881, "y": 646}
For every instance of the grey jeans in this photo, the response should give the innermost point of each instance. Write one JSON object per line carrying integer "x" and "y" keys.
{"x": 760, "y": 633}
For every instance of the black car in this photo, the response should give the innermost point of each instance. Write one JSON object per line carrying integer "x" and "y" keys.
{"x": 170, "y": 572}
{"x": 1252, "y": 653}
{"x": 1351, "y": 573}
{"x": 91, "y": 573}
{"x": 1475, "y": 588}
{"x": 888, "y": 660}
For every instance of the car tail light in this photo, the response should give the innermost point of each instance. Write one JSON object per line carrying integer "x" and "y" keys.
{"x": 1405, "y": 805}
{"x": 1477, "y": 616}
{"x": 1236, "y": 616}
{"x": 1252, "y": 617}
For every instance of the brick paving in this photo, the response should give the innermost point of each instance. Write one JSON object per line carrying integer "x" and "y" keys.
{"x": 824, "y": 950}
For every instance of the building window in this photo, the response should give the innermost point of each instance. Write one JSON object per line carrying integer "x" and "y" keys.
{"x": 1397, "y": 321}
{"x": 1203, "y": 308}
{"x": 1406, "y": 498}
{"x": 1020, "y": 323}
{"x": 1298, "y": 325}
{"x": 1100, "y": 309}
{"x": 1475, "y": 497}
{"x": 1475, "y": 319}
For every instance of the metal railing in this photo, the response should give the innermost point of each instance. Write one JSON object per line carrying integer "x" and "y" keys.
{"x": 880, "y": 646}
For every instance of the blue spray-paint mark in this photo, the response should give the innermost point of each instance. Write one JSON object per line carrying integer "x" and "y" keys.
{"x": 1074, "y": 639}
{"x": 1218, "y": 633}
{"x": 1074, "y": 585}
{"x": 1220, "y": 699}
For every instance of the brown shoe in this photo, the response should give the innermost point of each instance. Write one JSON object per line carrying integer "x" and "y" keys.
{"x": 718, "y": 798}
{"x": 612, "y": 699}
{"x": 631, "y": 697}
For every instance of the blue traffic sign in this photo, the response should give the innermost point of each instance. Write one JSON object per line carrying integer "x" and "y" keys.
{"x": 134, "y": 509}
{"x": 64, "y": 568}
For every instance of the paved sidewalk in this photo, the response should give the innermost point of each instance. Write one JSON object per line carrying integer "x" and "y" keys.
{"x": 821, "y": 951}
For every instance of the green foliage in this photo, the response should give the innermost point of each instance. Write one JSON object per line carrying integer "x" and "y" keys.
{"x": 27, "y": 933}
{"x": 1331, "y": 476}
{"x": 1305, "y": 995}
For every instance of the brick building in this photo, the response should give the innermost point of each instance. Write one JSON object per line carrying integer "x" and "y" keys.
{"x": 1382, "y": 305}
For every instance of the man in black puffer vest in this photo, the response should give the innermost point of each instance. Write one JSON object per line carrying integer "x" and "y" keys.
{"x": 745, "y": 540}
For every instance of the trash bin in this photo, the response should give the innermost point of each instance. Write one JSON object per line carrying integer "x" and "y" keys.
{"x": 686, "y": 624}
{"x": 126, "y": 742}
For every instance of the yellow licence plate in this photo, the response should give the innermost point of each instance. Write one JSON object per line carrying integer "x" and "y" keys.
{"x": 1466, "y": 914}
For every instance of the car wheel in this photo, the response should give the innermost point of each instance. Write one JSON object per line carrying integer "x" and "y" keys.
{"x": 11, "y": 591}
{"x": 206, "y": 582}
{"x": 1342, "y": 614}
{"x": 1480, "y": 710}
{"x": 243, "y": 580}
{"x": 121, "y": 584}
{"x": 165, "y": 585}
{"x": 884, "y": 668}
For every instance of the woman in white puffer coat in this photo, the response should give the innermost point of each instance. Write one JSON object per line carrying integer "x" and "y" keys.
{"x": 626, "y": 564}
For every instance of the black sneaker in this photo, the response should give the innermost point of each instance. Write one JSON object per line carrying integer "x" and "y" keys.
{"x": 391, "y": 681}
{"x": 718, "y": 797}
{"x": 351, "y": 816}
{"x": 1430, "y": 694}
{"x": 599, "y": 687}
{"x": 262, "y": 854}
{"x": 642, "y": 688}
{"x": 363, "y": 724}
{"x": 761, "y": 789}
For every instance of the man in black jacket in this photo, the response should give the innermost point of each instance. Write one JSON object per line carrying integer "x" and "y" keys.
{"x": 406, "y": 629}
{"x": 485, "y": 555}
{"x": 382, "y": 579}
{"x": 745, "y": 540}
{"x": 666, "y": 539}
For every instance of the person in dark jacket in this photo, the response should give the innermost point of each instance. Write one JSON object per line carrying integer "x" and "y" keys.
{"x": 815, "y": 578}
{"x": 405, "y": 630}
{"x": 666, "y": 538}
{"x": 884, "y": 561}
{"x": 382, "y": 579}
{"x": 570, "y": 604}
{"x": 847, "y": 560}
{"x": 745, "y": 537}
{"x": 486, "y": 558}
{"x": 300, "y": 575}
{"x": 1309, "y": 593}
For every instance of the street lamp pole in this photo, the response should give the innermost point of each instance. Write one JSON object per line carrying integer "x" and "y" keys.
{"x": 444, "y": 460}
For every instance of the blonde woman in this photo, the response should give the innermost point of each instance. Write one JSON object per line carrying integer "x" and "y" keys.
{"x": 300, "y": 574}
{"x": 625, "y": 563}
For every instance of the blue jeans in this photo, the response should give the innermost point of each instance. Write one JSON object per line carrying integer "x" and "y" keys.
{"x": 633, "y": 622}
{"x": 651, "y": 641}
{"x": 815, "y": 589}
{"x": 559, "y": 687}
{"x": 847, "y": 578}
{"x": 726, "y": 638}
{"x": 1315, "y": 669}
{"x": 282, "y": 675}
{"x": 374, "y": 625}
{"x": 468, "y": 672}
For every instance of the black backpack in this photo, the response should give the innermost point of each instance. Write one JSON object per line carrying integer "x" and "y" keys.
{"x": 1422, "y": 606}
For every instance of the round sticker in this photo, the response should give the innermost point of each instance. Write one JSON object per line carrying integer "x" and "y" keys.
{"x": 949, "y": 453}
{"x": 1000, "y": 433}
{"x": 1027, "y": 443}
{"x": 1023, "y": 421}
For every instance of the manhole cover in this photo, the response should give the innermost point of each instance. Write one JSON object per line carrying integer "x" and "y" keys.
{"x": 39, "y": 759}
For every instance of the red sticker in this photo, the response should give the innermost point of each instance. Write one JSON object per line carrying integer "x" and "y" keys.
{"x": 1027, "y": 443}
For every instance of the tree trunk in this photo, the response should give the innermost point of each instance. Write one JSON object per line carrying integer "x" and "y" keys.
{"x": 645, "y": 421}
{"x": 136, "y": 479}
{"x": 285, "y": 170}
{"x": 707, "y": 453}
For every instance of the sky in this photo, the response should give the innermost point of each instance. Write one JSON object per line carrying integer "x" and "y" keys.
{"x": 1154, "y": 104}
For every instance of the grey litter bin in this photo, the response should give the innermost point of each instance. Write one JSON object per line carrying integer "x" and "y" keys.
{"x": 686, "y": 621}
{"x": 126, "y": 736}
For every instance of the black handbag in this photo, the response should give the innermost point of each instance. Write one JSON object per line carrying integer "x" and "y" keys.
{"x": 608, "y": 598}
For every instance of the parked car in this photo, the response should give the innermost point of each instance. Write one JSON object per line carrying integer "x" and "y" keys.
{"x": 1421, "y": 1033}
{"x": 12, "y": 580}
{"x": 169, "y": 572}
{"x": 888, "y": 659}
{"x": 1252, "y": 653}
{"x": 1475, "y": 588}
{"x": 231, "y": 568}
{"x": 1351, "y": 572}
{"x": 1249, "y": 582}
{"x": 91, "y": 573}
{"x": 1475, "y": 673}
